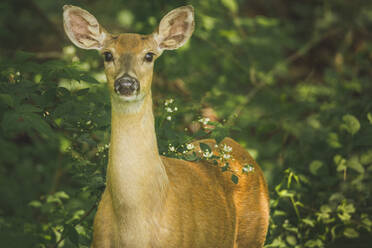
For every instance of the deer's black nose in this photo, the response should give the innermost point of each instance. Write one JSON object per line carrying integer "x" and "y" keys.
{"x": 126, "y": 85}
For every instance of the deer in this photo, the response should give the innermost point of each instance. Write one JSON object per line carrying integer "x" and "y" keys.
{"x": 152, "y": 200}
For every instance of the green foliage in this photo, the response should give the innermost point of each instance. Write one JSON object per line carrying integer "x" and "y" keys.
{"x": 50, "y": 139}
{"x": 289, "y": 80}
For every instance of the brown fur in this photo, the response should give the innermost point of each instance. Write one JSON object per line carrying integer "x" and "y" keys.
{"x": 152, "y": 201}
{"x": 203, "y": 207}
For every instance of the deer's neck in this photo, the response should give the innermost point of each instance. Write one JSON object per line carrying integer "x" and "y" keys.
{"x": 136, "y": 178}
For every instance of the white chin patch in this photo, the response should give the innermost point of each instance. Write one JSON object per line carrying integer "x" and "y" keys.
{"x": 129, "y": 98}
{"x": 127, "y": 104}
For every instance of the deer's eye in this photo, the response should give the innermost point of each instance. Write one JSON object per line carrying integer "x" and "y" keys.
{"x": 108, "y": 56}
{"x": 149, "y": 57}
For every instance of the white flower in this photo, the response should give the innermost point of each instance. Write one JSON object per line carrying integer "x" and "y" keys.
{"x": 226, "y": 148}
{"x": 168, "y": 109}
{"x": 175, "y": 109}
{"x": 169, "y": 118}
{"x": 168, "y": 101}
{"x": 207, "y": 154}
{"x": 226, "y": 156}
{"x": 171, "y": 148}
{"x": 204, "y": 120}
{"x": 190, "y": 146}
{"x": 248, "y": 168}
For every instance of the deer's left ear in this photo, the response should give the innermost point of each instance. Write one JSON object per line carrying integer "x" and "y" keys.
{"x": 175, "y": 28}
{"x": 83, "y": 28}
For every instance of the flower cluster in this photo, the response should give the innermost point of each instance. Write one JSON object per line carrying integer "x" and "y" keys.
{"x": 170, "y": 108}
{"x": 204, "y": 120}
{"x": 102, "y": 149}
{"x": 225, "y": 152}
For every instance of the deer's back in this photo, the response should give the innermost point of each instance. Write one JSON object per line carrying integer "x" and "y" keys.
{"x": 205, "y": 208}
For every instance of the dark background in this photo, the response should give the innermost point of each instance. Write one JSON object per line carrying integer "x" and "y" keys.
{"x": 290, "y": 80}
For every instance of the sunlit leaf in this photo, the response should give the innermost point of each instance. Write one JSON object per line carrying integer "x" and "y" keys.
{"x": 351, "y": 233}
{"x": 351, "y": 124}
{"x": 231, "y": 5}
{"x": 315, "y": 166}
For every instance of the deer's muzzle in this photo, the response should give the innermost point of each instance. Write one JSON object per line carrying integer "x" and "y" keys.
{"x": 126, "y": 86}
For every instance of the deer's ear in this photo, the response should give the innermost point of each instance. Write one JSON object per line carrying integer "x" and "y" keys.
{"x": 82, "y": 28}
{"x": 175, "y": 28}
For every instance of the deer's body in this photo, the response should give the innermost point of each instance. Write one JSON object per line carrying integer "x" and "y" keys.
{"x": 154, "y": 201}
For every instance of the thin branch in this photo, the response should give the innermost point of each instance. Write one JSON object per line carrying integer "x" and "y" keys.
{"x": 80, "y": 221}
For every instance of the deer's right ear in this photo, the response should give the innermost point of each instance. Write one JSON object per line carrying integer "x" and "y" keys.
{"x": 82, "y": 28}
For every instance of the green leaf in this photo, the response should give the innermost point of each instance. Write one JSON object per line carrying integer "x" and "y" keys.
{"x": 71, "y": 233}
{"x": 336, "y": 198}
{"x": 62, "y": 195}
{"x": 351, "y": 124}
{"x": 366, "y": 157}
{"x": 314, "y": 243}
{"x": 315, "y": 166}
{"x": 340, "y": 162}
{"x": 7, "y": 99}
{"x": 225, "y": 167}
{"x": 219, "y": 132}
{"x": 62, "y": 91}
{"x": 369, "y": 117}
{"x": 234, "y": 178}
{"x": 38, "y": 124}
{"x": 25, "y": 122}
{"x": 89, "y": 79}
{"x": 28, "y": 108}
{"x": 354, "y": 164}
{"x": 285, "y": 193}
{"x": 333, "y": 140}
{"x": 366, "y": 221}
{"x": 291, "y": 240}
{"x": 231, "y": 5}
{"x": 53, "y": 199}
{"x": 345, "y": 211}
{"x": 82, "y": 92}
{"x": 278, "y": 242}
{"x": 205, "y": 148}
{"x": 191, "y": 156}
{"x": 325, "y": 209}
{"x": 351, "y": 233}
{"x": 308, "y": 222}
{"x": 35, "y": 204}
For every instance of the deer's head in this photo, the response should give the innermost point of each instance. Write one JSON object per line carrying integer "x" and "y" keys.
{"x": 129, "y": 58}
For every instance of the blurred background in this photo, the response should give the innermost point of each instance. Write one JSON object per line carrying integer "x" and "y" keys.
{"x": 290, "y": 80}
